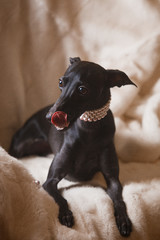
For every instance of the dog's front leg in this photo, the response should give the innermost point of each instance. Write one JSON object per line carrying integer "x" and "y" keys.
{"x": 57, "y": 171}
{"x": 110, "y": 170}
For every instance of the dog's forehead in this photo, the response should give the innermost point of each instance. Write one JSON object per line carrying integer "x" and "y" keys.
{"x": 85, "y": 71}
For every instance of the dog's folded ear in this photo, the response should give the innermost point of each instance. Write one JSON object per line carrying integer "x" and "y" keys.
{"x": 75, "y": 59}
{"x": 116, "y": 78}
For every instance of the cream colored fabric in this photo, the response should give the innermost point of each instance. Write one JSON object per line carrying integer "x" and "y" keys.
{"x": 28, "y": 212}
{"x": 37, "y": 38}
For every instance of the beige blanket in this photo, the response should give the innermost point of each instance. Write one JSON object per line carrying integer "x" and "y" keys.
{"x": 28, "y": 212}
{"x": 37, "y": 38}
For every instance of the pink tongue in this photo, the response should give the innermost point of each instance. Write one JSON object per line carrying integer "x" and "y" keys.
{"x": 59, "y": 119}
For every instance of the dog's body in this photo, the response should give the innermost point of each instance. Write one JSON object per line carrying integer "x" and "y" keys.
{"x": 82, "y": 147}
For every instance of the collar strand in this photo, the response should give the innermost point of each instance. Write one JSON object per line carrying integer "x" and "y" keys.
{"x": 95, "y": 115}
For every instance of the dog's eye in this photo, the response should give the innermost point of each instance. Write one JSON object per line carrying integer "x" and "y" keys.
{"x": 60, "y": 83}
{"x": 82, "y": 90}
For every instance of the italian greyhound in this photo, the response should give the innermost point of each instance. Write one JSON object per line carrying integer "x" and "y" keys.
{"x": 81, "y": 136}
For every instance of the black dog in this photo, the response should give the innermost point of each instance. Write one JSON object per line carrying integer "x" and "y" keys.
{"x": 84, "y": 141}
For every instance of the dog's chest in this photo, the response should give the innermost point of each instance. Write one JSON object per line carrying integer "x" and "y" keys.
{"x": 84, "y": 166}
{"x": 86, "y": 159}
{"x": 87, "y": 147}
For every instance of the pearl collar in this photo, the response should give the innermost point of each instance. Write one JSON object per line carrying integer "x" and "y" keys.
{"x": 95, "y": 115}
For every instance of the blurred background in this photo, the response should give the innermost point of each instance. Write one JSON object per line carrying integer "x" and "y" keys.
{"x": 38, "y": 37}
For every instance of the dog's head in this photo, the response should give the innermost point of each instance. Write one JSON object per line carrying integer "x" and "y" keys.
{"x": 85, "y": 86}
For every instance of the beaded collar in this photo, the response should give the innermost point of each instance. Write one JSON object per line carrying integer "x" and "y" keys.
{"x": 95, "y": 115}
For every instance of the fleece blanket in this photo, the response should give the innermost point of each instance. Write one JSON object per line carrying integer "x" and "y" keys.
{"x": 28, "y": 212}
{"x": 37, "y": 38}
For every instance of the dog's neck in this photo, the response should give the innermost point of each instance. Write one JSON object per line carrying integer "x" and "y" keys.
{"x": 97, "y": 114}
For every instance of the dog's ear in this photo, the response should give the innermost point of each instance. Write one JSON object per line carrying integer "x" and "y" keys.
{"x": 75, "y": 59}
{"x": 116, "y": 78}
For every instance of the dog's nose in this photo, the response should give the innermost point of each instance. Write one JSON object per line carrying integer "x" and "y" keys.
{"x": 49, "y": 116}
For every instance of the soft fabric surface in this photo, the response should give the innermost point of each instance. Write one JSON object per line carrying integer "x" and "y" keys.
{"x": 37, "y": 38}
{"x": 28, "y": 212}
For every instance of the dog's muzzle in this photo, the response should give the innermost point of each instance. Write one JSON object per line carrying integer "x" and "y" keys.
{"x": 60, "y": 119}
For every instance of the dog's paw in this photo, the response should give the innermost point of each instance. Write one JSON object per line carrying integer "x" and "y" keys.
{"x": 124, "y": 224}
{"x": 66, "y": 218}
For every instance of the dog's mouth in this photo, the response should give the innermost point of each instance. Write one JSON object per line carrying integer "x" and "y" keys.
{"x": 60, "y": 120}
